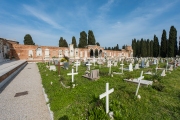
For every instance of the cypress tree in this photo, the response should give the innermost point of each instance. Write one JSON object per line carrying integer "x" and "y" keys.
{"x": 151, "y": 48}
{"x": 97, "y": 44}
{"x": 61, "y": 42}
{"x": 74, "y": 42}
{"x": 91, "y": 38}
{"x": 82, "y": 39}
{"x": 163, "y": 49}
{"x": 28, "y": 40}
{"x": 65, "y": 44}
{"x": 148, "y": 48}
{"x": 155, "y": 47}
{"x": 179, "y": 46}
{"x": 172, "y": 42}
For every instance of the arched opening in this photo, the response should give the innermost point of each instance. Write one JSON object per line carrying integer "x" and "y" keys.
{"x": 91, "y": 53}
{"x": 100, "y": 53}
{"x": 96, "y": 53}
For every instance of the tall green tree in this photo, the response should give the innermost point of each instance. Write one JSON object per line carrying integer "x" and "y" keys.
{"x": 138, "y": 49}
{"x": 91, "y": 38}
{"x": 134, "y": 44}
{"x": 151, "y": 48}
{"x": 97, "y": 44}
{"x": 82, "y": 40}
{"x": 28, "y": 40}
{"x": 61, "y": 42}
{"x": 155, "y": 47}
{"x": 65, "y": 43}
{"x": 148, "y": 47}
{"x": 163, "y": 49}
{"x": 172, "y": 42}
{"x": 74, "y": 42}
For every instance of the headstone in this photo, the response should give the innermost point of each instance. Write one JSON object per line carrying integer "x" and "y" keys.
{"x": 106, "y": 94}
{"x": 142, "y": 64}
{"x": 89, "y": 66}
{"x": 72, "y": 74}
{"x": 52, "y": 67}
{"x": 147, "y": 64}
{"x": 136, "y": 66}
{"x": 163, "y": 73}
{"x": 130, "y": 67}
{"x": 66, "y": 65}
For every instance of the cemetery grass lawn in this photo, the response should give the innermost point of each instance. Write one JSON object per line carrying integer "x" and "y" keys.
{"x": 159, "y": 101}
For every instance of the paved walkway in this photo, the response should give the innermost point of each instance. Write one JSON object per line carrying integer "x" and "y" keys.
{"x": 31, "y": 106}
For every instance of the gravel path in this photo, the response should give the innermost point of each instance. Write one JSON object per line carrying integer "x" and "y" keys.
{"x": 31, "y": 106}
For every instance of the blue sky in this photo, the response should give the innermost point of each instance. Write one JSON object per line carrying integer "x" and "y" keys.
{"x": 112, "y": 21}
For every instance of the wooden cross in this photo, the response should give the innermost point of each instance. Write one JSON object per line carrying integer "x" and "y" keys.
{"x": 59, "y": 66}
{"x": 106, "y": 94}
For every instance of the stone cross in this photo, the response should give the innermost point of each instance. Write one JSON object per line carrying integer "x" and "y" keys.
{"x": 106, "y": 94}
{"x": 77, "y": 64}
{"x": 139, "y": 79}
{"x": 72, "y": 74}
{"x": 88, "y": 65}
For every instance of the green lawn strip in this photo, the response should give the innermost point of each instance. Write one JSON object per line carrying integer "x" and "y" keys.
{"x": 160, "y": 101}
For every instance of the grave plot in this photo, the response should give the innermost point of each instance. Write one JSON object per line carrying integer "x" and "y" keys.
{"x": 83, "y": 101}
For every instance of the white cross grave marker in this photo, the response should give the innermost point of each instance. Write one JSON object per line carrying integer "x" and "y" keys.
{"x": 122, "y": 66}
{"x": 139, "y": 79}
{"x": 110, "y": 67}
{"x": 106, "y": 94}
{"x": 94, "y": 61}
{"x": 77, "y": 64}
{"x": 88, "y": 65}
{"x": 72, "y": 75}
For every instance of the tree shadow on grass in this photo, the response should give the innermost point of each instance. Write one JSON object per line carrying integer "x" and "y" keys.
{"x": 65, "y": 117}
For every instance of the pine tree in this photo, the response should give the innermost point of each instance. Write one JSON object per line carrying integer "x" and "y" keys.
{"x": 82, "y": 40}
{"x": 28, "y": 40}
{"x": 74, "y": 42}
{"x": 91, "y": 38}
{"x": 155, "y": 47}
{"x": 163, "y": 49}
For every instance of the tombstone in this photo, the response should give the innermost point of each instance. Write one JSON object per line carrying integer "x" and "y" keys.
{"x": 66, "y": 65}
{"x": 142, "y": 64}
{"x": 108, "y": 63}
{"x": 72, "y": 74}
{"x": 59, "y": 66}
{"x": 106, "y": 94}
{"x": 147, "y": 64}
{"x": 52, "y": 67}
{"x": 56, "y": 62}
{"x": 115, "y": 63}
{"x": 136, "y": 66}
{"x": 89, "y": 66}
{"x": 171, "y": 68}
{"x": 130, "y": 67}
{"x": 163, "y": 73}
{"x": 155, "y": 62}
